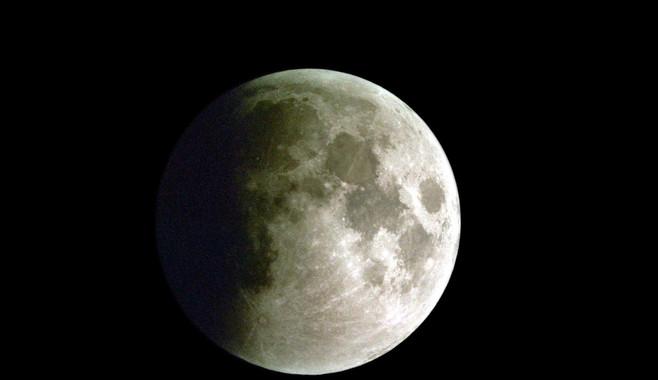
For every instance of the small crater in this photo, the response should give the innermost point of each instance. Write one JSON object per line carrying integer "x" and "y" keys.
{"x": 432, "y": 195}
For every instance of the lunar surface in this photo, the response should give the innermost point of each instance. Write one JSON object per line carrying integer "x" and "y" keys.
{"x": 308, "y": 221}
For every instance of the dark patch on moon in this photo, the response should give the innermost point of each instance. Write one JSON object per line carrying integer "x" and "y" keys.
{"x": 432, "y": 195}
{"x": 416, "y": 246}
{"x": 351, "y": 159}
{"x": 369, "y": 208}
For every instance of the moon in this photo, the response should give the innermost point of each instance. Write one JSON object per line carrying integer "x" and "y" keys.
{"x": 308, "y": 221}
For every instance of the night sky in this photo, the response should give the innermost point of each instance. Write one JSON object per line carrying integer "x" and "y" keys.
{"x": 499, "y": 112}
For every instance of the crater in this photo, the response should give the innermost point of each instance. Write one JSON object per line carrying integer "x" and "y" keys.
{"x": 432, "y": 196}
{"x": 352, "y": 160}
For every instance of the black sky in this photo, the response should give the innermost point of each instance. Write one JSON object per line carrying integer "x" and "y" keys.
{"x": 505, "y": 114}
